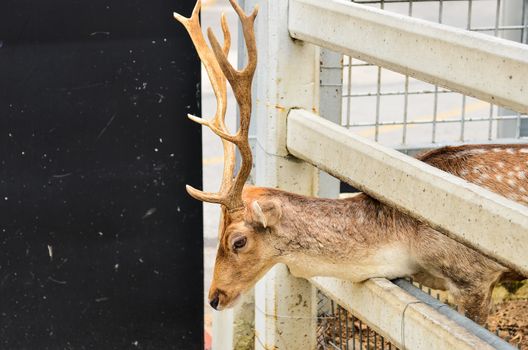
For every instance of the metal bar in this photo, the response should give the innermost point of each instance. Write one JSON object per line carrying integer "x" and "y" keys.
{"x": 385, "y": 39}
{"x": 378, "y": 98}
{"x": 496, "y": 28}
{"x": 360, "y": 334}
{"x": 463, "y": 114}
{"x": 349, "y": 89}
{"x": 490, "y": 126}
{"x": 405, "y": 110}
{"x": 398, "y": 316}
{"x": 346, "y": 327}
{"x": 446, "y": 121}
{"x": 435, "y": 114}
{"x": 497, "y": 15}
{"x": 333, "y": 323}
{"x": 491, "y": 224}
{"x": 518, "y": 126}
{"x": 368, "y": 337}
{"x": 353, "y": 333}
{"x": 406, "y": 90}
{"x": 463, "y": 118}
{"x": 442, "y": 308}
{"x": 340, "y": 327}
{"x": 435, "y": 102}
{"x": 524, "y": 34}
{"x": 394, "y": 93}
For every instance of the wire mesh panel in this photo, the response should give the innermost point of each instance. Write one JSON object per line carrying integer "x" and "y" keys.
{"x": 399, "y": 111}
{"x": 339, "y": 329}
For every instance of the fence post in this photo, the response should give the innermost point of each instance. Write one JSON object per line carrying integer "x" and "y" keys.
{"x": 287, "y": 77}
{"x": 331, "y": 97}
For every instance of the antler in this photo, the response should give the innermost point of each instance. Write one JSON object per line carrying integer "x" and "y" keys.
{"x": 218, "y": 68}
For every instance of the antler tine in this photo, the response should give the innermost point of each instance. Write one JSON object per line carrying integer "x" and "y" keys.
{"x": 218, "y": 69}
{"x": 241, "y": 82}
{"x": 218, "y": 82}
{"x": 229, "y": 148}
{"x": 238, "y": 78}
{"x": 227, "y": 34}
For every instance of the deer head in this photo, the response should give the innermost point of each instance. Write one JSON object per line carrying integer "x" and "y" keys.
{"x": 242, "y": 256}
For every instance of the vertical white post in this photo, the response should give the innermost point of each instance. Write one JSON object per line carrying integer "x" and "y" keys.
{"x": 331, "y": 98}
{"x": 287, "y": 77}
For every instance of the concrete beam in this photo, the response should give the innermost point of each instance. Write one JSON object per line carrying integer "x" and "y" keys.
{"x": 399, "y": 317}
{"x": 470, "y": 214}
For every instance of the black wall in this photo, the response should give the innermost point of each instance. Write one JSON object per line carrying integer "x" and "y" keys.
{"x": 100, "y": 246}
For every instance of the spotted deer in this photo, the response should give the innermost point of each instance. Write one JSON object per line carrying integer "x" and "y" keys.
{"x": 354, "y": 239}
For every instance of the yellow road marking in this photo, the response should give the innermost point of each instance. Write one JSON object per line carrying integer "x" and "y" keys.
{"x": 213, "y": 160}
{"x": 426, "y": 117}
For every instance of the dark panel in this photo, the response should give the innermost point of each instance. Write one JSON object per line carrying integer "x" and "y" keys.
{"x": 100, "y": 246}
{"x": 346, "y": 188}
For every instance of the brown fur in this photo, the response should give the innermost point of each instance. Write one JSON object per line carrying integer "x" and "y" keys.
{"x": 340, "y": 234}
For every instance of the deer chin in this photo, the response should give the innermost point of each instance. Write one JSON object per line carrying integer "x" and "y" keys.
{"x": 230, "y": 304}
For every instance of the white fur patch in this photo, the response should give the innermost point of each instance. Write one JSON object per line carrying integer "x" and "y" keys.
{"x": 389, "y": 261}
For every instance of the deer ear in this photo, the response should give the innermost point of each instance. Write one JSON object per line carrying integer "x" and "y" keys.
{"x": 266, "y": 213}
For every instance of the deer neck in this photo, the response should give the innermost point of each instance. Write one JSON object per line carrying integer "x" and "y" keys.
{"x": 355, "y": 239}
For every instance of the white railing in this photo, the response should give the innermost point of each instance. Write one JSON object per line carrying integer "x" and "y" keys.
{"x": 291, "y": 138}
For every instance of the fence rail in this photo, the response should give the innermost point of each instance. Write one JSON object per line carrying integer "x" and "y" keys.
{"x": 491, "y": 223}
{"x": 406, "y": 321}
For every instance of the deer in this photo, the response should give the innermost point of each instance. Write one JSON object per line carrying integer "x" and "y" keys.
{"x": 355, "y": 238}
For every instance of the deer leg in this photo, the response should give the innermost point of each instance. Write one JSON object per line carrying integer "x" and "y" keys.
{"x": 469, "y": 276}
{"x": 475, "y": 304}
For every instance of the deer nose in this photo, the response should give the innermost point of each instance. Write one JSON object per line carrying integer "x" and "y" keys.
{"x": 214, "y": 300}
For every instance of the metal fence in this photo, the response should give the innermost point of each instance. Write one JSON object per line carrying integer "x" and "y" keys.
{"x": 339, "y": 329}
{"x": 405, "y": 113}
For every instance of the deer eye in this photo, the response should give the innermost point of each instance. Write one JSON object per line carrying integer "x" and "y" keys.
{"x": 239, "y": 243}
